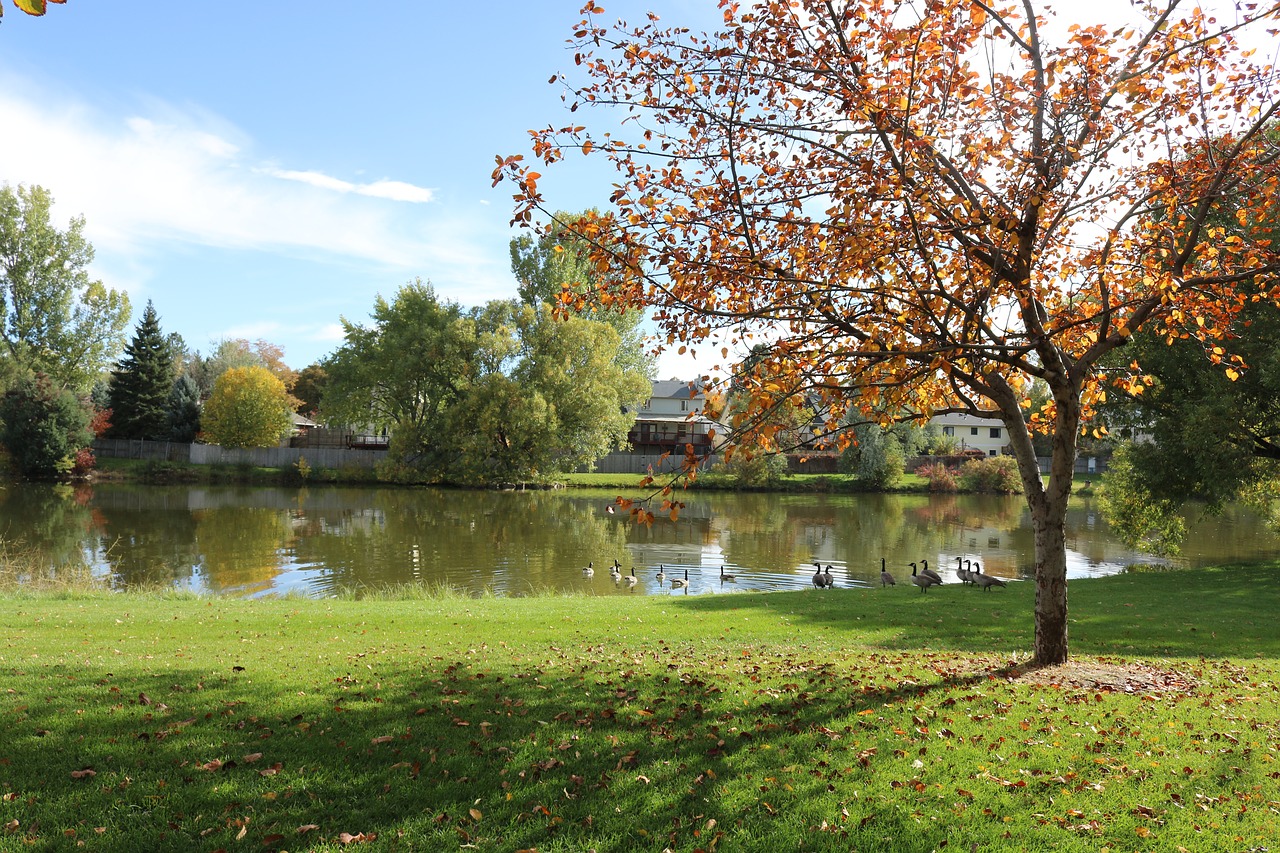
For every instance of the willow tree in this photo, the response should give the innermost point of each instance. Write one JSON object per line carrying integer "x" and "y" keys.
{"x": 924, "y": 207}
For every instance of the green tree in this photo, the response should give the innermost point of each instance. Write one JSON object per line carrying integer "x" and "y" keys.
{"x": 141, "y": 383}
{"x": 54, "y": 318}
{"x": 182, "y": 410}
{"x": 555, "y": 268}
{"x": 249, "y": 407}
{"x": 44, "y": 427}
{"x": 551, "y": 395}
{"x": 404, "y": 370}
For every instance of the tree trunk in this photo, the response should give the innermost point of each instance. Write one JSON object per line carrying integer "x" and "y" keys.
{"x": 1051, "y": 589}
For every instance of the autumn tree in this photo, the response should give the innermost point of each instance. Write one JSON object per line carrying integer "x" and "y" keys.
{"x": 249, "y": 407}
{"x": 924, "y": 207}
{"x": 54, "y": 318}
{"x": 141, "y": 382}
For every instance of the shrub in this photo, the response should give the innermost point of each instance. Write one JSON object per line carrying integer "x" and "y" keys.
{"x": 940, "y": 477}
{"x": 992, "y": 474}
{"x": 44, "y": 427}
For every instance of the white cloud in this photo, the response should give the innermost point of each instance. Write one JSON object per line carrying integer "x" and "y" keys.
{"x": 181, "y": 175}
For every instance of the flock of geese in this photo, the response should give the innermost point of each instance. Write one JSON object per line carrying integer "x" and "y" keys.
{"x": 968, "y": 571}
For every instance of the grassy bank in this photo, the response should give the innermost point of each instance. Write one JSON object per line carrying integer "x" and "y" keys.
{"x": 836, "y": 720}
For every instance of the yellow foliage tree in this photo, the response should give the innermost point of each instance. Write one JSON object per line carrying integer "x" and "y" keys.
{"x": 924, "y": 207}
{"x": 32, "y": 7}
{"x": 249, "y": 407}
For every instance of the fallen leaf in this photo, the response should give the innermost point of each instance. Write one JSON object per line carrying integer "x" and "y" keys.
{"x": 383, "y": 739}
{"x": 12, "y": 825}
{"x": 476, "y": 814}
{"x": 83, "y": 774}
{"x": 307, "y": 827}
{"x": 251, "y": 757}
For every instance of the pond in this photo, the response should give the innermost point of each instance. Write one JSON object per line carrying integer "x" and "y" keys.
{"x": 252, "y": 541}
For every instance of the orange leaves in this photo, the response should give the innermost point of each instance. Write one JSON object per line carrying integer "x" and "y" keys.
{"x": 32, "y": 7}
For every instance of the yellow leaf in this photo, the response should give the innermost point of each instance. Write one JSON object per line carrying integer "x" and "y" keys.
{"x": 1232, "y": 374}
{"x": 476, "y": 814}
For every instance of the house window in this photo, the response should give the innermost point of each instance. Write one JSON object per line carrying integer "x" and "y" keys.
{"x": 948, "y": 430}
{"x": 995, "y": 432}
{"x": 991, "y": 453}
{"x": 973, "y": 430}
{"x": 684, "y": 405}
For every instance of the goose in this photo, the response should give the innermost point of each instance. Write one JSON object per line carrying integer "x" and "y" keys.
{"x": 961, "y": 572}
{"x": 828, "y": 579}
{"x": 819, "y": 581}
{"x": 662, "y": 573}
{"x": 985, "y": 581}
{"x": 886, "y": 579}
{"x": 726, "y": 576}
{"x": 676, "y": 583}
{"x": 930, "y": 573}
{"x": 922, "y": 581}
{"x": 589, "y": 570}
{"x": 616, "y": 569}
{"x": 631, "y": 579}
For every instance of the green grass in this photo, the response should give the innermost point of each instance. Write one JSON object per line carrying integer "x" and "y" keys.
{"x": 842, "y": 720}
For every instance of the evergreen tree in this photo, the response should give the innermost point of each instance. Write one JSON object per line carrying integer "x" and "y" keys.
{"x": 141, "y": 383}
{"x": 183, "y": 409}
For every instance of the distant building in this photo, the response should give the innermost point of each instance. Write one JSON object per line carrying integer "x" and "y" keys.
{"x": 973, "y": 433}
{"x": 671, "y": 419}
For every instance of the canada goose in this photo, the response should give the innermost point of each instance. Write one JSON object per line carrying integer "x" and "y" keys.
{"x": 631, "y": 578}
{"x": 676, "y": 583}
{"x": 930, "y": 573}
{"x": 922, "y": 581}
{"x": 985, "y": 581}
{"x": 726, "y": 576}
{"x": 589, "y": 570}
{"x": 828, "y": 579}
{"x": 616, "y": 569}
{"x": 819, "y": 579}
{"x": 662, "y": 573}
{"x": 886, "y": 579}
{"x": 962, "y": 572}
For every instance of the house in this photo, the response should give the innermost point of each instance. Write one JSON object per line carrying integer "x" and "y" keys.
{"x": 973, "y": 433}
{"x": 671, "y": 419}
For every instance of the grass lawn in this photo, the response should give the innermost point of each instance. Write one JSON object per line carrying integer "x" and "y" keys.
{"x": 877, "y": 720}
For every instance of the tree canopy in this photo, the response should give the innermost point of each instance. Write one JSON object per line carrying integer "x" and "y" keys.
{"x": 32, "y": 7}
{"x": 924, "y": 207}
{"x": 44, "y": 427}
{"x": 54, "y": 318}
{"x": 249, "y": 407}
{"x": 502, "y": 393}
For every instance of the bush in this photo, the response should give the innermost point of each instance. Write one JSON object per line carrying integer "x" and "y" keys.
{"x": 993, "y": 474}
{"x": 755, "y": 471}
{"x": 45, "y": 428}
{"x": 940, "y": 477}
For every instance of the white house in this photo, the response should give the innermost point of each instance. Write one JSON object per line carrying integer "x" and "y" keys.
{"x": 974, "y": 433}
{"x": 672, "y": 418}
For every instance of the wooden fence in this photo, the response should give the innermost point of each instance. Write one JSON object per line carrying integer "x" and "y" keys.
{"x": 212, "y": 454}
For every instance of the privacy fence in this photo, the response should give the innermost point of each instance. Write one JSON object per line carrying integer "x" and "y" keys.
{"x": 212, "y": 454}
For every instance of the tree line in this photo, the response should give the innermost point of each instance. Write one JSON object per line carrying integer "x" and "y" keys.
{"x": 508, "y": 391}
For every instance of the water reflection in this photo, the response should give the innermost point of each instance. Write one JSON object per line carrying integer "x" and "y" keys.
{"x": 255, "y": 541}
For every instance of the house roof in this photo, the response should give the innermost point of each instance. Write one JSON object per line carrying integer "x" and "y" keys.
{"x": 678, "y": 389}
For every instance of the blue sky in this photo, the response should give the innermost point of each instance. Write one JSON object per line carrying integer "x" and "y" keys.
{"x": 259, "y": 170}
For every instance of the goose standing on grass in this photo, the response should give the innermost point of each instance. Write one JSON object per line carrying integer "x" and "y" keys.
{"x": 589, "y": 570}
{"x": 676, "y": 583}
{"x": 930, "y": 573}
{"x": 886, "y": 579}
{"x": 962, "y": 572}
{"x": 922, "y": 581}
{"x": 828, "y": 579}
{"x": 726, "y": 576}
{"x": 819, "y": 581}
{"x": 985, "y": 581}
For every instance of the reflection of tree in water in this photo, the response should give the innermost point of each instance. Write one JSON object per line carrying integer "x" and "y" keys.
{"x": 242, "y": 548}
{"x": 148, "y": 546}
{"x": 509, "y": 542}
{"x": 52, "y": 524}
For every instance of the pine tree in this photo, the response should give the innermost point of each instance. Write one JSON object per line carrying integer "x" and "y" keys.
{"x": 184, "y": 409}
{"x": 141, "y": 383}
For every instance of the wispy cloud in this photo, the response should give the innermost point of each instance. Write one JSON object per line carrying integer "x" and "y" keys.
{"x": 392, "y": 190}
{"x": 183, "y": 175}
